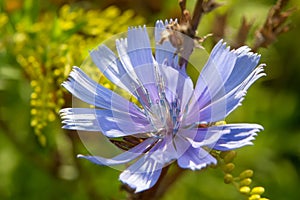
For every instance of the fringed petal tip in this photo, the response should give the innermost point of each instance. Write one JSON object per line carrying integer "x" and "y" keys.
{"x": 239, "y": 136}
{"x": 243, "y": 50}
{"x": 72, "y": 75}
{"x": 140, "y": 27}
{"x": 162, "y": 23}
{"x": 137, "y": 182}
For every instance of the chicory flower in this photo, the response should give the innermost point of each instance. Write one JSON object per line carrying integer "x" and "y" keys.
{"x": 173, "y": 120}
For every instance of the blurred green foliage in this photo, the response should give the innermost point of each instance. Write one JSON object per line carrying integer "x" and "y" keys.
{"x": 41, "y": 40}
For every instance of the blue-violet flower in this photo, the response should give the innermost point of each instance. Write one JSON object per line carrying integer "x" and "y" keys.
{"x": 174, "y": 120}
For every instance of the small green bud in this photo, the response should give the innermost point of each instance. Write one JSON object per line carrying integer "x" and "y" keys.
{"x": 246, "y": 181}
{"x": 245, "y": 190}
{"x": 257, "y": 190}
{"x": 228, "y": 178}
{"x": 229, "y": 156}
{"x": 246, "y": 174}
{"x": 254, "y": 197}
{"x": 228, "y": 167}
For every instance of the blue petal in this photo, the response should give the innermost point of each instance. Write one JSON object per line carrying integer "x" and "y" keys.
{"x": 224, "y": 105}
{"x": 177, "y": 85}
{"x": 195, "y": 159}
{"x": 214, "y": 74}
{"x": 144, "y": 173}
{"x": 111, "y": 67}
{"x": 223, "y": 82}
{"x": 200, "y": 137}
{"x": 87, "y": 90}
{"x": 239, "y": 135}
{"x": 136, "y": 56}
{"x": 244, "y": 65}
{"x": 123, "y": 158}
{"x": 122, "y": 47}
{"x": 110, "y": 123}
{"x": 139, "y": 48}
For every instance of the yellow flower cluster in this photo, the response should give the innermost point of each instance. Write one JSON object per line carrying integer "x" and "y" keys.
{"x": 47, "y": 48}
{"x": 243, "y": 181}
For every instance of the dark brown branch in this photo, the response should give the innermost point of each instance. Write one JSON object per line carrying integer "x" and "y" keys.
{"x": 197, "y": 14}
{"x": 201, "y": 8}
{"x": 274, "y": 25}
{"x": 189, "y": 25}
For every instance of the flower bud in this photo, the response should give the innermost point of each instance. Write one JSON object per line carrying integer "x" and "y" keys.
{"x": 228, "y": 178}
{"x": 257, "y": 190}
{"x": 246, "y": 174}
{"x": 254, "y": 197}
{"x": 229, "y": 156}
{"x": 228, "y": 167}
{"x": 246, "y": 181}
{"x": 245, "y": 190}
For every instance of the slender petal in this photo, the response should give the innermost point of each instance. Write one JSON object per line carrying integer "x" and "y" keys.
{"x": 164, "y": 50}
{"x": 136, "y": 55}
{"x": 203, "y": 136}
{"x": 239, "y": 135}
{"x": 139, "y": 48}
{"x": 217, "y": 69}
{"x": 222, "y": 107}
{"x": 177, "y": 86}
{"x": 225, "y": 71}
{"x": 245, "y": 64}
{"x": 111, "y": 67}
{"x": 196, "y": 159}
{"x": 87, "y": 90}
{"x": 110, "y": 123}
{"x": 123, "y": 158}
{"x": 144, "y": 173}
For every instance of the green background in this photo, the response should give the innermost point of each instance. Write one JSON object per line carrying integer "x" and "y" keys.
{"x": 37, "y": 158}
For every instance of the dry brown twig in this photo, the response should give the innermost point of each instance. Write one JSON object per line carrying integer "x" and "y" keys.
{"x": 183, "y": 35}
{"x": 274, "y": 25}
